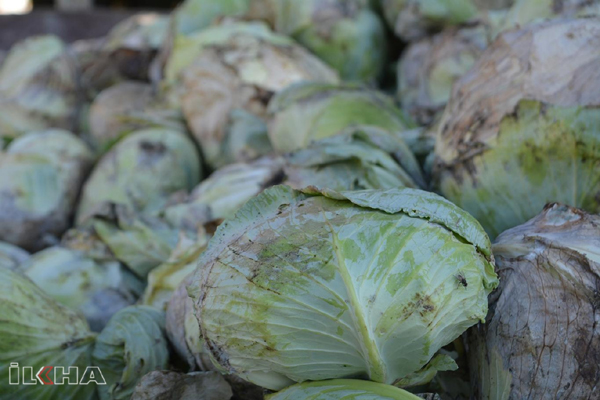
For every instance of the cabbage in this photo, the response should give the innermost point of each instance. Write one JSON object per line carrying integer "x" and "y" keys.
{"x": 112, "y": 114}
{"x": 542, "y": 334}
{"x": 40, "y": 177}
{"x": 358, "y": 158}
{"x": 131, "y": 345}
{"x": 97, "y": 289}
{"x": 38, "y": 87}
{"x": 313, "y": 286}
{"x": 141, "y": 172}
{"x": 12, "y": 256}
{"x": 224, "y": 76}
{"x": 220, "y": 195}
{"x": 509, "y": 142}
{"x": 429, "y": 67}
{"x": 310, "y": 111}
{"x": 346, "y": 34}
{"x": 36, "y": 331}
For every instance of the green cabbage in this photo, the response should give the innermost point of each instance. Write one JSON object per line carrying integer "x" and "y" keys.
{"x": 38, "y": 87}
{"x": 346, "y": 34}
{"x": 141, "y": 172}
{"x": 40, "y": 177}
{"x": 131, "y": 345}
{"x": 12, "y": 256}
{"x": 220, "y": 195}
{"x": 112, "y": 114}
{"x": 358, "y": 158}
{"x": 36, "y": 331}
{"x": 313, "y": 286}
{"x": 429, "y": 67}
{"x": 97, "y": 289}
{"x": 310, "y": 111}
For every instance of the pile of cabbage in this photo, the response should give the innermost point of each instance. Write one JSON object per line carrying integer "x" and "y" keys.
{"x": 323, "y": 199}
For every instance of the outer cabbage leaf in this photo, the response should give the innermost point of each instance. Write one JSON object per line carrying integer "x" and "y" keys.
{"x": 166, "y": 278}
{"x": 37, "y": 331}
{"x": 358, "y": 158}
{"x": 183, "y": 330}
{"x": 222, "y": 194}
{"x": 142, "y": 243}
{"x": 131, "y": 345}
{"x": 541, "y": 338}
{"x": 11, "y": 256}
{"x": 328, "y": 285}
{"x": 342, "y": 389}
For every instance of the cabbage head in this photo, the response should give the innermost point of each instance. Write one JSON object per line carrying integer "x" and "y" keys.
{"x": 324, "y": 285}
{"x": 223, "y": 78}
{"x": 38, "y": 87}
{"x": 346, "y": 34}
{"x": 309, "y": 111}
{"x": 141, "y": 172}
{"x": 508, "y": 143}
{"x": 41, "y": 174}
{"x": 541, "y": 335}
{"x": 97, "y": 289}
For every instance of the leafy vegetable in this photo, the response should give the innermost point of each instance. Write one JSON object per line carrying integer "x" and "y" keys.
{"x": 131, "y": 345}
{"x": 36, "y": 331}
{"x": 312, "y": 286}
